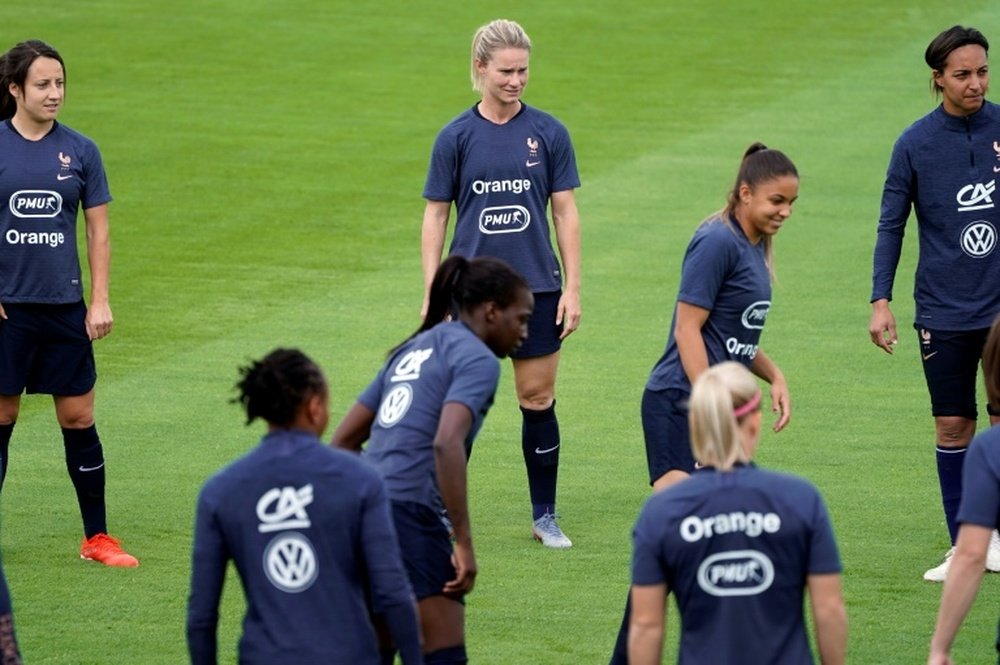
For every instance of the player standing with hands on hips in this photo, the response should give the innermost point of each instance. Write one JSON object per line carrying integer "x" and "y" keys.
{"x": 420, "y": 417}
{"x": 945, "y": 167}
{"x": 722, "y": 305}
{"x": 503, "y": 163}
{"x": 47, "y": 173}
{"x": 772, "y": 529}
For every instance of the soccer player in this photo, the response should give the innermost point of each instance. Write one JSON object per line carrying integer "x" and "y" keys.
{"x": 502, "y": 163}
{"x": 47, "y": 173}
{"x": 309, "y": 530}
{"x": 722, "y": 304}
{"x": 737, "y": 545}
{"x": 420, "y": 416}
{"x": 978, "y": 517}
{"x": 954, "y": 154}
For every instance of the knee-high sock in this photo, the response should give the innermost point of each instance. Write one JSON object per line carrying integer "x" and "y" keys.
{"x": 620, "y": 655}
{"x": 447, "y": 656}
{"x": 540, "y": 445}
{"x": 85, "y": 463}
{"x": 949, "y": 467}
{"x": 5, "y": 432}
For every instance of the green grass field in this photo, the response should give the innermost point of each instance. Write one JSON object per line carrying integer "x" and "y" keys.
{"x": 267, "y": 161}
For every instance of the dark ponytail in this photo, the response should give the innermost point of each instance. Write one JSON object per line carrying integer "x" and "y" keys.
{"x": 14, "y": 65}
{"x": 461, "y": 284}
{"x": 274, "y": 387}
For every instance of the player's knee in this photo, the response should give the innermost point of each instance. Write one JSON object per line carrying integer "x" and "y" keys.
{"x": 536, "y": 399}
{"x": 954, "y": 431}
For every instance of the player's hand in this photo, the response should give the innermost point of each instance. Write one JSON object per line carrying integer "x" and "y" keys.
{"x": 465, "y": 566}
{"x": 781, "y": 403}
{"x": 3, "y": 314}
{"x": 99, "y": 321}
{"x": 882, "y": 326}
{"x": 939, "y": 659}
{"x": 568, "y": 313}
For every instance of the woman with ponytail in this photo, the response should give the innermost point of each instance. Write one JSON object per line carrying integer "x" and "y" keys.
{"x": 737, "y": 545}
{"x": 309, "y": 531}
{"x": 420, "y": 416}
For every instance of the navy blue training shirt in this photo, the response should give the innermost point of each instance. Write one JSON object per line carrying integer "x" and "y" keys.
{"x": 723, "y": 273}
{"x": 501, "y": 178}
{"x": 946, "y": 168}
{"x": 736, "y": 548}
{"x": 447, "y": 363}
{"x": 43, "y": 184}
{"x": 309, "y": 530}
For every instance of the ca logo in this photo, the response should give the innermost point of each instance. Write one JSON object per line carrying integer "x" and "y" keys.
{"x": 975, "y": 197}
{"x": 979, "y": 239}
{"x": 408, "y": 368}
{"x": 284, "y": 508}
{"x": 290, "y": 562}
{"x": 395, "y": 405}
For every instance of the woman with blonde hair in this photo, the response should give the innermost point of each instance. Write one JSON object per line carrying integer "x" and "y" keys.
{"x": 737, "y": 545}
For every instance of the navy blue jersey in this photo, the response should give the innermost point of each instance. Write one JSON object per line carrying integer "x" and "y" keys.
{"x": 736, "y": 548}
{"x": 447, "y": 363}
{"x": 946, "y": 168}
{"x": 725, "y": 274}
{"x": 310, "y": 532}
{"x": 501, "y": 178}
{"x": 43, "y": 184}
{"x": 981, "y": 481}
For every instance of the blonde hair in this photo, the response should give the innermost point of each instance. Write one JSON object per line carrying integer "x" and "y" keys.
{"x": 716, "y": 395}
{"x": 494, "y": 36}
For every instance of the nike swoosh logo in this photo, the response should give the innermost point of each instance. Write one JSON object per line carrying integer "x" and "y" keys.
{"x": 85, "y": 469}
{"x": 928, "y": 356}
{"x": 996, "y": 169}
{"x": 529, "y": 163}
{"x": 539, "y": 451}
{"x": 63, "y": 177}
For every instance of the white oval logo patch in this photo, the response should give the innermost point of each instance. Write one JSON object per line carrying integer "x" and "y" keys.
{"x": 755, "y": 315}
{"x": 504, "y": 219}
{"x": 290, "y": 562}
{"x": 736, "y": 573}
{"x": 979, "y": 239}
{"x": 395, "y": 405}
{"x": 28, "y": 203}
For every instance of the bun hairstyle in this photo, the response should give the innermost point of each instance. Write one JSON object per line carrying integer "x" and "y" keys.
{"x": 493, "y": 36}
{"x": 274, "y": 387}
{"x": 957, "y": 36}
{"x": 759, "y": 164}
{"x": 14, "y": 65}
{"x": 722, "y": 397}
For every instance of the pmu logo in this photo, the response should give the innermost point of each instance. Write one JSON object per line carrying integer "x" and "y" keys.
{"x": 290, "y": 562}
{"x": 504, "y": 219}
{"x": 975, "y": 197}
{"x": 29, "y": 203}
{"x": 755, "y": 315}
{"x": 979, "y": 239}
{"x": 736, "y": 573}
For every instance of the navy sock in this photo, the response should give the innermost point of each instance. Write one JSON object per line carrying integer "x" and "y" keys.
{"x": 540, "y": 445}
{"x": 85, "y": 463}
{"x": 949, "y": 467}
{"x": 5, "y": 432}
{"x": 620, "y": 655}
{"x": 448, "y": 656}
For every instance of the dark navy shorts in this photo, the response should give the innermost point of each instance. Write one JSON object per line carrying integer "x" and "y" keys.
{"x": 425, "y": 546}
{"x": 543, "y": 333}
{"x": 951, "y": 360}
{"x": 45, "y": 349}
{"x": 665, "y": 429}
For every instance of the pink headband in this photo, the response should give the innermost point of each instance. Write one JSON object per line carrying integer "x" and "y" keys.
{"x": 747, "y": 407}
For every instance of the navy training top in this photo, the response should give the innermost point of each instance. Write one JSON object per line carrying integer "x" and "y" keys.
{"x": 501, "y": 178}
{"x": 946, "y": 168}
{"x": 447, "y": 363}
{"x": 725, "y": 274}
{"x": 736, "y": 548}
{"x": 309, "y": 530}
{"x": 981, "y": 481}
{"x": 42, "y": 186}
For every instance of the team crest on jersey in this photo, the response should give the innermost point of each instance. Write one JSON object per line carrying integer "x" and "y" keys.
{"x": 736, "y": 573}
{"x": 979, "y": 239}
{"x": 532, "y": 153}
{"x": 996, "y": 149}
{"x": 976, "y": 196}
{"x": 35, "y": 203}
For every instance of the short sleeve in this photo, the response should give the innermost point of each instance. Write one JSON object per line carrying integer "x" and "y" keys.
{"x": 442, "y": 174}
{"x": 980, "y": 485}
{"x": 707, "y": 263}
{"x": 647, "y": 569}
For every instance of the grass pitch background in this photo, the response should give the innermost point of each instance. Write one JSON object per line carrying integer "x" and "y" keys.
{"x": 267, "y": 161}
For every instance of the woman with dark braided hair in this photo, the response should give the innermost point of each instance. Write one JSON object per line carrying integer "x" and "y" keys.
{"x": 420, "y": 416}
{"x": 309, "y": 531}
